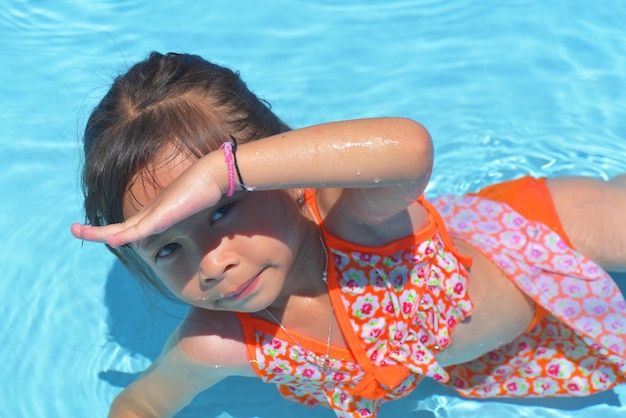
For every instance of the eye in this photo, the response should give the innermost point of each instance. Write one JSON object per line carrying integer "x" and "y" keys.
{"x": 221, "y": 212}
{"x": 167, "y": 250}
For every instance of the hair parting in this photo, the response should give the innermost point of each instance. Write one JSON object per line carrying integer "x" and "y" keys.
{"x": 176, "y": 101}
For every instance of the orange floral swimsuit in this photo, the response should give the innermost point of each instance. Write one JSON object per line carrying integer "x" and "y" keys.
{"x": 397, "y": 306}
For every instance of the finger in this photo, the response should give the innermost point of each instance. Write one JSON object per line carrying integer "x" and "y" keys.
{"x": 92, "y": 233}
{"x": 134, "y": 230}
{"x": 124, "y": 237}
{"x": 76, "y": 230}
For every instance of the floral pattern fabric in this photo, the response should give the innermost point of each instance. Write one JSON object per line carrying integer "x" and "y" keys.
{"x": 579, "y": 348}
{"x": 398, "y": 305}
{"x": 402, "y": 305}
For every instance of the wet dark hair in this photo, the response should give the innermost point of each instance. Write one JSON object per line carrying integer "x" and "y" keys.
{"x": 177, "y": 100}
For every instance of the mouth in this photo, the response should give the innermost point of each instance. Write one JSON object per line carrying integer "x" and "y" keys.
{"x": 244, "y": 290}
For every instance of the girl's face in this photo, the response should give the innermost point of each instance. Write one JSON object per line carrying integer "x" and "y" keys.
{"x": 237, "y": 256}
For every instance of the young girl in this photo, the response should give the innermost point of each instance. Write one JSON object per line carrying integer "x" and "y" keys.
{"x": 311, "y": 259}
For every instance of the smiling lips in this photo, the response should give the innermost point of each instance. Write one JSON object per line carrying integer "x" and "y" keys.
{"x": 244, "y": 290}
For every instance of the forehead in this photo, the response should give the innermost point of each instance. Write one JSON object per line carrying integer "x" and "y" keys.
{"x": 153, "y": 178}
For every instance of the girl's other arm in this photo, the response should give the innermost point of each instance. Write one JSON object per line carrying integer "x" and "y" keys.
{"x": 176, "y": 377}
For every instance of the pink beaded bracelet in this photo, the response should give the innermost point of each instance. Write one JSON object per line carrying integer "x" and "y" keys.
{"x": 230, "y": 156}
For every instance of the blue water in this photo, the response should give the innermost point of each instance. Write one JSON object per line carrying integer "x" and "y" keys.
{"x": 506, "y": 88}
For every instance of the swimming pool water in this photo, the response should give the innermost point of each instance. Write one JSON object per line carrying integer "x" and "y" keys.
{"x": 506, "y": 88}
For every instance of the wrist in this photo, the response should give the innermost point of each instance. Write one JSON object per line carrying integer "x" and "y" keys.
{"x": 235, "y": 179}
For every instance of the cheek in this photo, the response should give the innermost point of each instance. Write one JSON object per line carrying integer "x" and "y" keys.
{"x": 177, "y": 279}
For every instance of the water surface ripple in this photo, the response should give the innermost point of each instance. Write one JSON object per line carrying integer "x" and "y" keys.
{"x": 506, "y": 89}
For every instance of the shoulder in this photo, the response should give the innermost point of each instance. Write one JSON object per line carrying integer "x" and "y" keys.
{"x": 206, "y": 348}
{"x": 344, "y": 214}
{"x": 213, "y": 338}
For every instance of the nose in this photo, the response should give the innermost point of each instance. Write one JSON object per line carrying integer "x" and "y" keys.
{"x": 214, "y": 264}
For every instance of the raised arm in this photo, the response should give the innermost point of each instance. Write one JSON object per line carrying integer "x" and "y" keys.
{"x": 365, "y": 153}
{"x": 386, "y": 162}
{"x": 380, "y": 164}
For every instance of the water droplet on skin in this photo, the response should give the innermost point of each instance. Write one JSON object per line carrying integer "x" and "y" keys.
{"x": 358, "y": 172}
{"x": 376, "y": 180}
